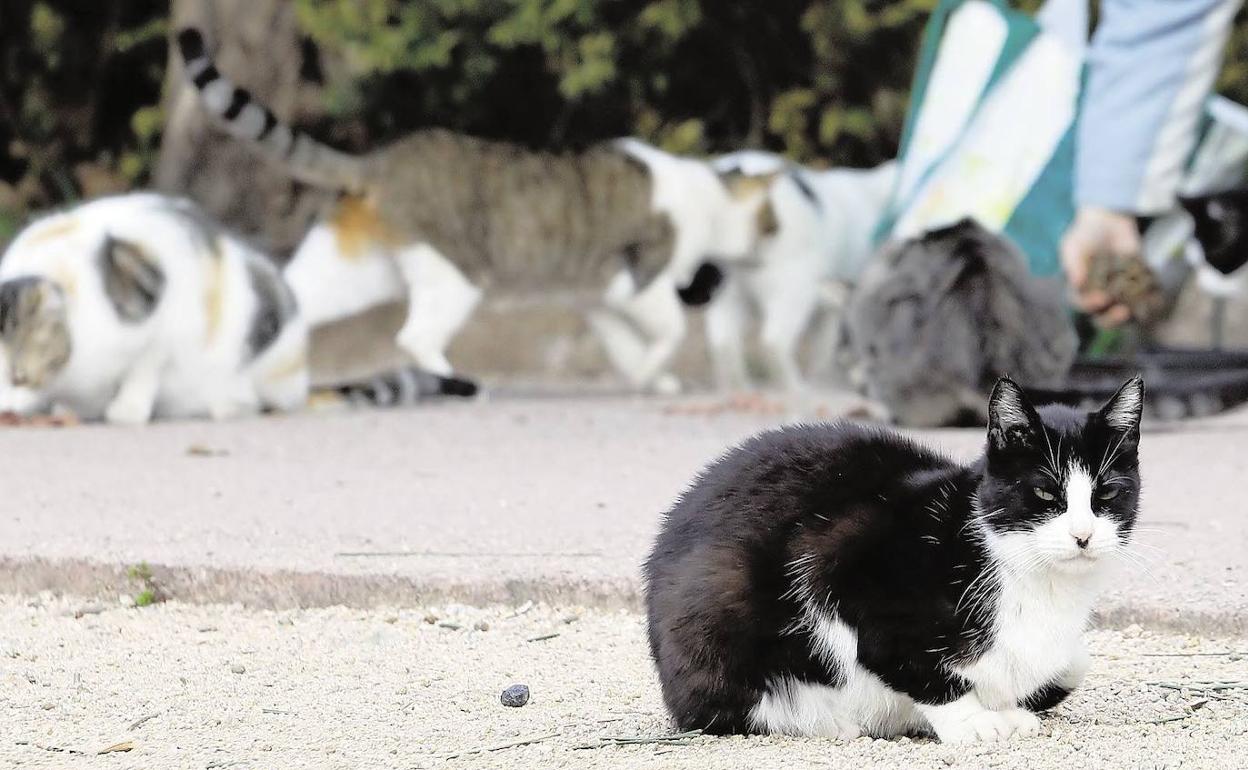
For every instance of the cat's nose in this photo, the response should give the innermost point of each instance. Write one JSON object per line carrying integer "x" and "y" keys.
{"x": 1082, "y": 542}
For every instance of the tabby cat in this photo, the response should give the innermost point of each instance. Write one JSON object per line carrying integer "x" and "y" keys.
{"x": 438, "y": 216}
{"x": 139, "y": 305}
{"x": 839, "y": 580}
{"x": 937, "y": 318}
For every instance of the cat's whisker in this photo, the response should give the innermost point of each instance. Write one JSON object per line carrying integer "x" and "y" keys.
{"x": 1157, "y": 551}
{"x": 1150, "y": 558}
{"x": 1107, "y": 460}
{"x": 1134, "y": 560}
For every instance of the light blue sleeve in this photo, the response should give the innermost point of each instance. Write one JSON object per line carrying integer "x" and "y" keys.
{"x": 1152, "y": 64}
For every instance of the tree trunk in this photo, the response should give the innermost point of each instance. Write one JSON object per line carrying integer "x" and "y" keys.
{"x": 256, "y": 43}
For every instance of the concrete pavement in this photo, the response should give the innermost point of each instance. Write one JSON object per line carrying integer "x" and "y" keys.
{"x": 503, "y": 500}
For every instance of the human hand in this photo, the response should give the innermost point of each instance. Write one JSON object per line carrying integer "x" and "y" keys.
{"x": 1098, "y": 231}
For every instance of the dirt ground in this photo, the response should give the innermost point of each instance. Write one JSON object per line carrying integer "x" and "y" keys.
{"x": 215, "y": 686}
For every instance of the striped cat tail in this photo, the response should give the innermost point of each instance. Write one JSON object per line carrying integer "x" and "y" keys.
{"x": 302, "y": 156}
{"x": 403, "y": 387}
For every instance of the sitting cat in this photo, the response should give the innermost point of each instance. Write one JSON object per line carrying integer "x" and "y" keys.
{"x": 838, "y": 580}
{"x": 139, "y": 305}
{"x": 936, "y": 319}
{"x": 821, "y": 239}
{"x": 438, "y": 215}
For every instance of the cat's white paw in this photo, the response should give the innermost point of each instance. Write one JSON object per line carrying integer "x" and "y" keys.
{"x": 990, "y": 727}
{"x": 666, "y": 385}
{"x": 128, "y": 411}
{"x": 19, "y": 400}
{"x": 1026, "y": 724}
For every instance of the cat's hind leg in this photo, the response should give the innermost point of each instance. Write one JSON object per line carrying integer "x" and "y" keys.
{"x": 725, "y": 320}
{"x": 656, "y": 316}
{"x": 826, "y": 354}
{"x": 280, "y": 378}
{"x": 786, "y": 312}
{"x": 441, "y": 298}
{"x": 790, "y": 707}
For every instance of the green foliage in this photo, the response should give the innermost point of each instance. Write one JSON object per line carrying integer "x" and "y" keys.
{"x": 822, "y": 81}
{"x": 78, "y": 84}
{"x": 151, "y": 592}
{"x": 141, "y": 571}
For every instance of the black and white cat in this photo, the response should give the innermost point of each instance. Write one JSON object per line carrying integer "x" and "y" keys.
{"x": 840, "y": 580}
{"x": 1220, "y": 223}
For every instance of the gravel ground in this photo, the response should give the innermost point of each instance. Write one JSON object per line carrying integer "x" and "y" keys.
{"x": 214, "y": 686}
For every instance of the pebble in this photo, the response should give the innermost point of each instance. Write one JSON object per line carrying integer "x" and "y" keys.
{"x": 481, "y": 625}
{"x": 515, "y": 696}
{"x": 238, "y": 668}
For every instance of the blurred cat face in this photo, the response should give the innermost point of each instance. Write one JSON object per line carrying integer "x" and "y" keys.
{"x": 1221, "y": 228}
{"x": 33, "y": 331}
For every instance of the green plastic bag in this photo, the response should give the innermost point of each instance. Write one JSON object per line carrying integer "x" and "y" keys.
{"x": 992, "y": 125}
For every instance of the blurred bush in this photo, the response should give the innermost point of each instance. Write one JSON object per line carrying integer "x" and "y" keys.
{"x": 79, "y": 91}
{"x": 823, "y": 81}
{"x": 817, "y": 80}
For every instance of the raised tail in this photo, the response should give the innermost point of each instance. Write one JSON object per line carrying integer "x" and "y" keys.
{"x": 303, "y": 157}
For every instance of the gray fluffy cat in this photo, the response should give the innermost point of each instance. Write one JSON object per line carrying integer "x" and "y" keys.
{"x": 937, "y": 318}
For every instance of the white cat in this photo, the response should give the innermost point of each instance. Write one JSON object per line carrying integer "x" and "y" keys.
{"x": 138, "y": 305}
{"x": 825, "y": 222}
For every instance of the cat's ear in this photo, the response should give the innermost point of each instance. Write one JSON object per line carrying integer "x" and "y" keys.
{"x": 742, "y": 186}
{"x": 1012, "y": 421}
{"x": 133, "y": 281}
{"x": 1125, "y": 408}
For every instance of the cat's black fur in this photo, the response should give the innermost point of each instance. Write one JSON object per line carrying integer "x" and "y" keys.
{"x": 703, "y": 286}
{"x": 892, "y": 525}
{"x": 1221, "y": 227}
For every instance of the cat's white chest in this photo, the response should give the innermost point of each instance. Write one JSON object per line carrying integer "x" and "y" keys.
{"x": 1037, "y": 639}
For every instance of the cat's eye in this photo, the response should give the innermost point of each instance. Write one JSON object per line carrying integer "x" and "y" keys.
{"x": 1108, "y": 493}
{"x": 1043, "y": 495}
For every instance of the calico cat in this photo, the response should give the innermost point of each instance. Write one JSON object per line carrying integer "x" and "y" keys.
{"x": 139, "y": 305}
{"x": 438, "y": 216}
{"x": 840, "y": 580}
{"x": 821, "y": 239}
{"x": 937, "y": 318}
